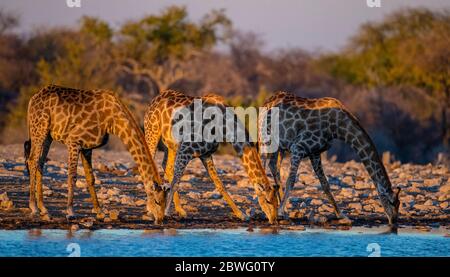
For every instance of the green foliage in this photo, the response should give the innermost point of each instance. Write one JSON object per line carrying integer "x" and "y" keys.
{"x": 409, "y": 47}
{"x": 156, "y": 38}
{"x": 96, "y": 27}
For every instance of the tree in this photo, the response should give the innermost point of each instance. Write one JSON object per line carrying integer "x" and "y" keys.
{"x": 8, "y": 20}
{"x": 162, "y": 43}
{"x": 409, "y": 47}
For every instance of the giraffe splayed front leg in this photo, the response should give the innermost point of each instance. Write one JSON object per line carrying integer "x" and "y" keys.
{"x": 318, "y": 169}
{"x": 209, "y": 165}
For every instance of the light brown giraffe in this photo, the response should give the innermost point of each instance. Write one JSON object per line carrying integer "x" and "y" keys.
{"x": 306, "y": 129}
{"x": 82, "y": 120}
{"x": 158, "y": 124}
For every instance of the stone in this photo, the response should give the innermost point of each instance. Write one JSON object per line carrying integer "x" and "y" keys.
{"x": 243, "y": 183}
{"x": 317, "y": 218}
{"x": 190, "y": 209}
{"x": 19, "y": 168}
{"x": 297, "y": 228}
{"x": 240, "y": 199}
{"x": 217, "y": 203}
{"x": 316, "y": 202}
{"x": 140, "y": 202}
{"x": 126, "y": 200}
{"x": 432, "y": 182}
{"x": 87, "y": 222}
{"x": 5, "y": 202}
{"x": 362, "y": 185}
{"x": 355, "y": 206}
{"x": 194, "y": 195}
{"x": 185, "y": 186}
{"x": 74, "y": 227}
{"x": 347, "y": 192}
{"x": 348, "y": 180}
{"x": 187, "y": 177}
{"x": 445, "y": 188}
{"x": 211, "y": 195}
{"x": 113, "y": 192}
{"x": 444, "y": 205}
{"x": 80, "y": 184}
{"x": 114, "y": 214}
{"x": 326, "y": 208}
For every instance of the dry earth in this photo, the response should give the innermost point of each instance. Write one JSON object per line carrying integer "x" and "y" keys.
{"x": 424, "y": 197}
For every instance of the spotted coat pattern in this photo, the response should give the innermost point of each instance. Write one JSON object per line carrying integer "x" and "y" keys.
{"x": 158, "y": 125}
{"x": 307, "y": 128}
{"x": 82, "y": 120}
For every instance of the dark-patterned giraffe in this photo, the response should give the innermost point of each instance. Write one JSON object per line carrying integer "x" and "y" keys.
{"x": 306, "y": 129}
{"x": 158, "y": 123}
{"x": 82, "y": 120}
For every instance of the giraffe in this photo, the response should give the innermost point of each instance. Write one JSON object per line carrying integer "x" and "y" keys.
{"x": 306, "y": 129}
{"x": 82, "y": 120}
{"x": 158, "y": 124}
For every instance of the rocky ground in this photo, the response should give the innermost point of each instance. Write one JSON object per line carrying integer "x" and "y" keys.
{"x": 424, "y": 197}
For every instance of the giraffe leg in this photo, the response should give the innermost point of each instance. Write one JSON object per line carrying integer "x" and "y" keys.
{"x": 72, "y": 176}
{"x": 275, "y": 166}
{"x": 316, "y": 163}
{"x": 32, "y": 162}
{"x": 209, "y": 165}
{"x": 168, "y": 175}
{"x": 152, "y": 137}
{"x": 40, "y": 170}
{"x": 296, "y": 157}
{"x": 164, "y": 161}
{"x": 181, "y": 161}
{"x": 86, "y": 159}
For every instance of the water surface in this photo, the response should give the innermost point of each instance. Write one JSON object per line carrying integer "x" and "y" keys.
{"x": 208, "y": 242}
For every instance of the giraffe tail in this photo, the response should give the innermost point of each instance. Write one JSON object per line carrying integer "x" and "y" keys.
{"x": 26, "y": 152}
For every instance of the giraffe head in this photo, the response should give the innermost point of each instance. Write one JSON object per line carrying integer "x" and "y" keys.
{"x": 156, "y": 202}
{"x": 267, "y": 199}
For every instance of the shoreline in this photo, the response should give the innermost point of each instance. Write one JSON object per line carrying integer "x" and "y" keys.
{"x": 424, "y": 198}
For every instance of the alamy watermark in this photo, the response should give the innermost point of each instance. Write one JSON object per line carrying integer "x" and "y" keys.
{"x": 211, "y": 123}
{"x": 73, "y": 3}
{"x": 373, "y": 3}
{"x": 73, "y": 249}
{"x": 374, "y": 249}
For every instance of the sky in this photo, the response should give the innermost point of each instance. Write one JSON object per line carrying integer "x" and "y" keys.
{"x": 313, "y": 25}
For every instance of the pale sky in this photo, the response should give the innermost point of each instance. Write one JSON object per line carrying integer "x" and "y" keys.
{"x": 308, "y": 24}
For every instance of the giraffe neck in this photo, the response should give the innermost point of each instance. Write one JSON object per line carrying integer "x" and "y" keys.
{"x": 252, "y": 163}
{"x": 125, "y": 127}
{"x": 360, "y": 141}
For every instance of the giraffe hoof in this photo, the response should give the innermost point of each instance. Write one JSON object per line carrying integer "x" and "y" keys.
{"x": 46, "y": 217}
{"x": 34, "y": 214}
{"x": 182, "y": 213}
{"x": 344, "y": 220}
{"x": 100, "y": 215}
{"x": 243, "y": 217}
{"x": 282, "y": 215}
{"x": 148, "y": 217}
